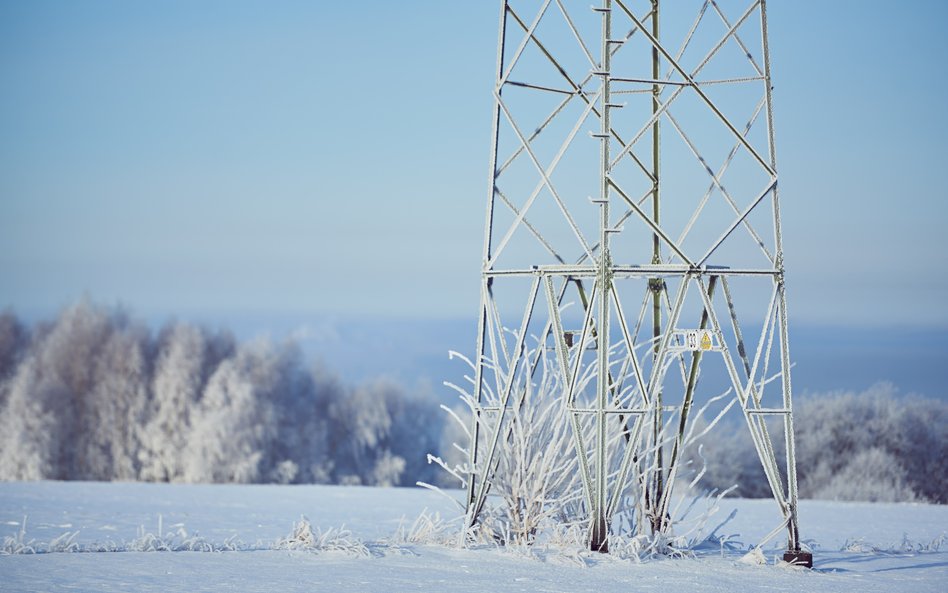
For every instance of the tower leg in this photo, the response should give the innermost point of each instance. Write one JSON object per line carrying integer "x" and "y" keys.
{"x": 599, "y": 542}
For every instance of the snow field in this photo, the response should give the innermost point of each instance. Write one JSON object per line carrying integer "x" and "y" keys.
{"x": 357, "y": 539}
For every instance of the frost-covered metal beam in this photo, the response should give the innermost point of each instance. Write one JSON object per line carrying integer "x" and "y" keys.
{"x": 478, "y": 502}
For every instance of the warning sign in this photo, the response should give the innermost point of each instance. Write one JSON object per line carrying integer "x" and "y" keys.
{"x": 699, "y": 340}
{"x": 705, "y": 340}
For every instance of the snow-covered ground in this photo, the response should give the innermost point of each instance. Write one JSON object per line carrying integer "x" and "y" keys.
{"x": 99, "y": 537}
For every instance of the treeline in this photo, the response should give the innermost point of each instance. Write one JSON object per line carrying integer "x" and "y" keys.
{"x": 96, "y": 395}
{"x": 877, "y": 445}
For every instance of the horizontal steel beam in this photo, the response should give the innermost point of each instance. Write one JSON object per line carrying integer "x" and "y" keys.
{"x": 631, "y": 271}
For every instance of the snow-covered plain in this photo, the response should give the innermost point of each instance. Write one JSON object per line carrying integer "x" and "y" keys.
{"x": 99, "y": 537}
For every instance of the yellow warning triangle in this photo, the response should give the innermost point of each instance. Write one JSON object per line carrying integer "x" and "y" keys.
{"x": 706, "y": 341}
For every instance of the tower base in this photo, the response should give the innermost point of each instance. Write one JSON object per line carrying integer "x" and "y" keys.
{"x": 798, "y": 558}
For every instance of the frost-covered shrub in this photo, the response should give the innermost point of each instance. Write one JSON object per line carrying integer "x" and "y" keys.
{"x": 537, "y": 473}
{"x": 536, "y": 476}
{"x": 536, "y": 491}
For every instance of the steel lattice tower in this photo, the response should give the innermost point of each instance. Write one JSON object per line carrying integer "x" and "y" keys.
{"x": 633, "y": 168}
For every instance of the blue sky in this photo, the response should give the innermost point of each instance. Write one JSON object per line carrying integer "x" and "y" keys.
{"x": 209, "y": 158}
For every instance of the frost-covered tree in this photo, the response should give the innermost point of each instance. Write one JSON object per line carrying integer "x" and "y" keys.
{"x": 873, "y": 445}
{"x": 235, "y": 420}
{"x": 451, "y": 445}
{"x": 115, "y": 406}
{"x": 258, "y": 420}
{"x": 50, "y": 411}
{"x": 186, "y": 358}
{"x": 922, "y": 446}
{"x": 29, "y": 427}
{"x": 13, "y": 341}
{"x": 417, "y": 428}
{"x": 835, "y": 430}
{"x": 301, "y": 400}
{"x": 381, "y": 435}
{"x": 360, "y": 422}
{"x": 728, "y": 459}
{"x": 873, "y": 475}
{"x": 65, "y": 362}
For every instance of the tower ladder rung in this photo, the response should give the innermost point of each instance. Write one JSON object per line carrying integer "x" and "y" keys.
{"x": 620, "y": 410}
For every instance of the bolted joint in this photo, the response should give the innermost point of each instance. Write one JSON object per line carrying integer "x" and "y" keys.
{"x": 606, "y": 261}
{"x": 607, "y": 275}
{"x": 656, "y": 285}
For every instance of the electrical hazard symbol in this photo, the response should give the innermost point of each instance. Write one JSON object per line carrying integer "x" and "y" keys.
{"x": 705, "y": 340}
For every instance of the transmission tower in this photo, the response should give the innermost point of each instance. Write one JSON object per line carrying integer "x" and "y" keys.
{"x": 633, "y": 168}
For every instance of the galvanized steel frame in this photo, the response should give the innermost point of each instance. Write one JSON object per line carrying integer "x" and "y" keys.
{"x": 595, "y": 265}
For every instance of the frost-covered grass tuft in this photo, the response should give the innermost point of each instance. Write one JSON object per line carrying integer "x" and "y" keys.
{"x": 427, "y": 529}
{"x": 178, "y": 540}
{"x": 906, "y": 546}
{"x": 18, "y": 544}
{"x": 305, "y": 537}
{"x": 64, "y": 543}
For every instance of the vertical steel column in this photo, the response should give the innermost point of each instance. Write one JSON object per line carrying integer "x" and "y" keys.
{"x": 599, "y": 539}
{"x": 657, "y": 285}
{"x": 794, "y": 553}
{"x": 485, "y": 279}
